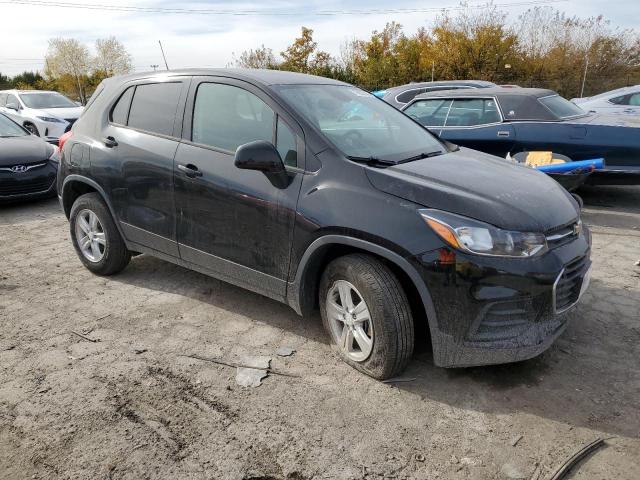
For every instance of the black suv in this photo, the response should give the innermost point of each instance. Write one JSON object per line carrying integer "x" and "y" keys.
{"x": 317, "y": 194}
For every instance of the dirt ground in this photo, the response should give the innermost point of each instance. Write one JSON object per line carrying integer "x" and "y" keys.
{"x": 130, "y": 406}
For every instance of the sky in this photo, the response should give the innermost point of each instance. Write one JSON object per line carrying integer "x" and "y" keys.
{"x": 211, "y": 40}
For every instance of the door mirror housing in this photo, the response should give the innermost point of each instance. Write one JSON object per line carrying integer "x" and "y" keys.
{"x": 263, "y": 157}
{"x": 12, "y": 106}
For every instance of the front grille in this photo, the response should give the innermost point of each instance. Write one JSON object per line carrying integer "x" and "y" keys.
{"x": 71, "y": 122}
{"x": 562, "y": 235}
{"x": 23, "y": 188}
{"x": 567, "y": 288}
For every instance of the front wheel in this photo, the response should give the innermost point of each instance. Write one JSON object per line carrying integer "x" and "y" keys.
{"x": 32, "y": 129}
{"x": 95, "y": 236}
{"x": 367, "y": 315}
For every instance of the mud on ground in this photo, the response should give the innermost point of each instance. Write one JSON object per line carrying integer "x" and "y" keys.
{"x": 130, "y": 406}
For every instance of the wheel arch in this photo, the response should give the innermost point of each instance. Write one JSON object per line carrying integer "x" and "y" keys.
{"x": 302, "y": 293}
{"x": 74, "y": 186}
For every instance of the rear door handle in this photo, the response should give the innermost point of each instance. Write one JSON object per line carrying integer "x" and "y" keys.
{"x": 110, "y": 142}
{"x": 503, "y": 133}
{"x": 190, "y": 170}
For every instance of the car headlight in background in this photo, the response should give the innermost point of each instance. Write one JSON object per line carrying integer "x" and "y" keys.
{"x": 481, "y": 238}
{"x": 51, "y": 119}
{"x": 54, "y": 156}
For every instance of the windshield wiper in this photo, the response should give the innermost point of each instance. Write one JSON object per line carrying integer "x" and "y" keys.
{"x": 371, "y": 160}
{"x": 420, "y": 156}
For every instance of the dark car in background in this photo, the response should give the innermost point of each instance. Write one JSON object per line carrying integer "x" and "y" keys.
{"x": 314, "y": 193}
{"x": 505, "y": 122}
{"x": 28, "y": 164}
{"x": 403, "y": 94}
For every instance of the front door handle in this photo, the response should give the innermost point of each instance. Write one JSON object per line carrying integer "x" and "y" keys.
{"x": 190, "y": 170}
{"x": 503, "y": 133}
{"x": 110, "y": 142}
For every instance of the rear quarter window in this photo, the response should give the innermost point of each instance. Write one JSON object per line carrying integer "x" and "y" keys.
{"x": 120, "y": 111}
{"x": 154, "y": 106}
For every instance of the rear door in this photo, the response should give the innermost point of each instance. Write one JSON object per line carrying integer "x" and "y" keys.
{"x": 477, "y": 123}
{"x": 236, "y": 223}
{"x": 134, "y": 160}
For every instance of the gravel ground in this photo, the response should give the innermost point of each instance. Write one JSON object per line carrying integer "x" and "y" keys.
{"x": 129, "y": 405}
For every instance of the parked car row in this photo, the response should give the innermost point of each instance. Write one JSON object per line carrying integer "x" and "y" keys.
{"x": 44, "y": 114}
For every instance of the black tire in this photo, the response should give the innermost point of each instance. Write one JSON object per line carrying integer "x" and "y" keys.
{"x": 115, "y": 256}
{"x": 389, "y": 309}
{"x": 32, "y": 129}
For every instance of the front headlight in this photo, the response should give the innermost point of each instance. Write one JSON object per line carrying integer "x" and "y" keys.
{"x": 481, "y": 238}
{"x": 51, "y": 119}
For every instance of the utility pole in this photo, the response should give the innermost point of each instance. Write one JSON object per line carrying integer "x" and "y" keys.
{"x": 584, "y": 77}
{"x": 433, "y": 69}
{"x": 163, "y": 56}
{"x": 155, "y": 67}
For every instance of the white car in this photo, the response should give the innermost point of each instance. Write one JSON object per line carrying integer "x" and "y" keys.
{"x": 622, "y": 100}
{"x": 45, "y": 114}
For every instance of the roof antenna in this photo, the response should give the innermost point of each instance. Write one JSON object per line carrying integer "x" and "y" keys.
{"x": 163, "y": 56}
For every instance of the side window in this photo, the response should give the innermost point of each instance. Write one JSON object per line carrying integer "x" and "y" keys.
{"x": 120, "y": 111}
{"x": 13, "y": 99}
{"x": 226, "y": 117}
{"x": 286, "y": 144}
{"x": 634, "y": 99}
{"x": 154, "y": 107}
{"x": 406, "y": 97}
{"x": 467, "y": 112}
{"x": 430, "y": 113}
{"x": 622, "y": 100}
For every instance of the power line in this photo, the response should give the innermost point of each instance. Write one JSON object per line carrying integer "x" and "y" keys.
{"x": 263, "y": 12}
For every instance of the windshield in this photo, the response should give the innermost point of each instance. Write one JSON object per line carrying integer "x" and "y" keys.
{"x": 561, "y": 107}
{"x": 359, "y": 124}
{"x": 9, "y": 128}
{"x": 46, "y": 100}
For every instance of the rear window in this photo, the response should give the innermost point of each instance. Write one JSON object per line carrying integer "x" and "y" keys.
{"x": 154, "y": 107}
{"x": 407, "y": 96}
{"x": 561, "y": 107}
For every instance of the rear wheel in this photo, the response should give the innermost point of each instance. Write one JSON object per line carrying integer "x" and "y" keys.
{"x": 367, "y": 315}
{"x": 95, "y": 236}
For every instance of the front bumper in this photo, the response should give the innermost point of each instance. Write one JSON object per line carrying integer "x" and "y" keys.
{"x": 493, "y": 310}
{"x": 37, "y": 182}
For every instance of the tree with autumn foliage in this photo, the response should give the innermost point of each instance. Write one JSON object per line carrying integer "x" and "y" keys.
{"x": 543, "y": 48}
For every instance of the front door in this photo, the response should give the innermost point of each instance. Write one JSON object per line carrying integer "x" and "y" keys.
{"x": 236, "y": 223}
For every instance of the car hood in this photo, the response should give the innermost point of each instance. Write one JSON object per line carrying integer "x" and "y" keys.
{"x": 72, "y": 113}
{"x": 608, "y": 119}
{"x": 483, "y": 187}
{"x": 23, "y": 150}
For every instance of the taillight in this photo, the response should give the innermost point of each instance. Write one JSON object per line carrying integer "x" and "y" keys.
{"x": 63, "y": 139}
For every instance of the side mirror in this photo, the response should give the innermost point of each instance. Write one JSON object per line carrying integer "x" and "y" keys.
{"x": 263, "y": 157}
{"x": 12, "y": 106}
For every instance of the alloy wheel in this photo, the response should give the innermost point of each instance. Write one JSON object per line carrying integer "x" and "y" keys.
{"x": 90, "y": 236}
{"x": 350, "y": 321}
